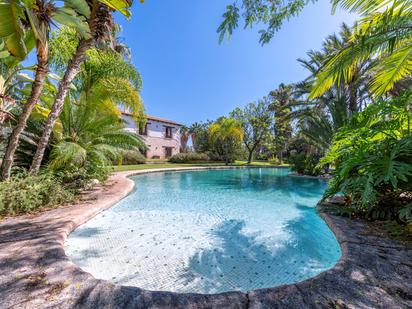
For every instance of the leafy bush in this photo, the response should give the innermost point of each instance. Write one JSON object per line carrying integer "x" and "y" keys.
{"x": 189, "y": 157}
{"x": 274, "y": 161}
{"x": 373, "y": 160}
{"x": 24, "y": 193}
{"x": 306, "y": 164}
{"x": 129, "y": 157}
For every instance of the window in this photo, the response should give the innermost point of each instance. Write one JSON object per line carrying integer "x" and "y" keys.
{"x": 143, "y": 130}
{"x": 169, "y": 132}
{"x": 168, "y": 152}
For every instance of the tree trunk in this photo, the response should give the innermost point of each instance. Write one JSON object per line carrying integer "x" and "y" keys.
{"x": 40, "y": 75}
{"x": 353, "y": 101}
{"x": 226, "y": 154}
{"x": 249, "y": 158}
{"x": 251, "y": 151}
{"x": 72, "y": 70}
{"x": 280, "y": 156}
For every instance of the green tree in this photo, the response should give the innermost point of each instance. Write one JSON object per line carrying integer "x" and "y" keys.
{"x": 92, "y": 130}
{"x": 100, "y": 25}
{"x": 199, "y": 133}
{"x": 226, "y": 134}
{"x": 184, "y": 138}
{"x": 382, "y": 33}
{"x": 281, "y": 100}
{"x": 25, "y": 25}
{"x": 320, "y": 118}
{"x": 92, "y": 136}
{"x": 257, "y": 12}
{"x": 372, "y": 156}
{"x": 12, "y": 80}
{"x": 257, "y": 121}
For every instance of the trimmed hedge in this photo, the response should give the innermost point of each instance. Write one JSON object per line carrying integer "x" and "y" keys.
{"x": 189, "y": 157}
{"x": 131, "y": 157}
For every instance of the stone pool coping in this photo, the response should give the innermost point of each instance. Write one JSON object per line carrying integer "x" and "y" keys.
{"x": 373, "y": 272}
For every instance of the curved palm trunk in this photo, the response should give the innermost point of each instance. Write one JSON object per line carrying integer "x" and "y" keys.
{"x": 40, "y": 75}
{"x": 194, "y": 141}
{"x": 183, "y": 142}
{"x": 72, "y": 70}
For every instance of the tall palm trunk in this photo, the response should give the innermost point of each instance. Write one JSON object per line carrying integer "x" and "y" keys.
{"x": 72, "y": 70}
{"x": 40, "y": 75}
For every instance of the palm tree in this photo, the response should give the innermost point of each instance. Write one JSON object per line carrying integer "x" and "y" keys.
{"x": 11, "y": 82}
{"x": 184, "y": 138}
{"x": 320, "y": 118}
{"x": 199, "y": 135}
{"x": 226, "y": 133}
{"x": 384, "y": 34}
{"x": 92, "y": 137}
{"x": 92, "y": 129}
{"x": 282, "y": 98}
{"x": 100, "y": 24}
{"x": 106, "y": 80}
{"x": 25, "y": 25}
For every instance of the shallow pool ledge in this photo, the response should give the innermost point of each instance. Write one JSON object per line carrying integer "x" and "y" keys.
{"x": 374, "y": 271}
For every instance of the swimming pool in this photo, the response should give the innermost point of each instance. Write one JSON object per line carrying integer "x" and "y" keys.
{"x": 209, "y": 232}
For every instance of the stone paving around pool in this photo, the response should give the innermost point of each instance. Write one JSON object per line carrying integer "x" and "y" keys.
{"x": 374, "y": 271}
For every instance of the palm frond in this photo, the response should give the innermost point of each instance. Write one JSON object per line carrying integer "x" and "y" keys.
{"x": 67, "y": 153}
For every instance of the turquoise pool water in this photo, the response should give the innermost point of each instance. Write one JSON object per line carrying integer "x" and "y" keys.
{"x": 209, "y": 232}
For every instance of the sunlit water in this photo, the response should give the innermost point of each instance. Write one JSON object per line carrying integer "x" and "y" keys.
{"x": 209, "y": 232}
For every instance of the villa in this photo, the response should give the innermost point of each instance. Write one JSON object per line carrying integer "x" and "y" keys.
{"x": 162, "y": 136}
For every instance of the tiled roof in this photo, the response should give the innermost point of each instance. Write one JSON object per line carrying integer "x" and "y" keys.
{"x": 162, "y": 120}
{"x": 156, "y": 119}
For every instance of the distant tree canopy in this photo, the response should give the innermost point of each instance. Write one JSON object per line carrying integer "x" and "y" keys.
{"x": 226, "y": 136}
{"x": 282, "y": 98}
{"x": 383, "y": 33}
{"x": 256, "y": 120}
{"x": 271, "y": 13}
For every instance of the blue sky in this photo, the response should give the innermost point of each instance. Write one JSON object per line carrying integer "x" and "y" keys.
{"x": 188, "y": 76}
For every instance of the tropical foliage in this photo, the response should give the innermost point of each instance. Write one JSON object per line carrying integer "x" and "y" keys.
{"x": 25, "y": 25}
{"x": 226, "y": 136}
{"x": 257, "y": 122}
{"x": 372, "y": 156}
{"x": 267, "y": 12}
{"x": 92, "y": 138}
{"x": 281, "y": 100}
{"x": 88, "y": 134}
{"x": 26, "y": 193}
{"x": 382, "y": 34}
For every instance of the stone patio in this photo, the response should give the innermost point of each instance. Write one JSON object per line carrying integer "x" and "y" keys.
{"x": 374, "y": 271}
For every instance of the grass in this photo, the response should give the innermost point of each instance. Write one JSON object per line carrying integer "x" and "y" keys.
{"x": 147, "y": 166}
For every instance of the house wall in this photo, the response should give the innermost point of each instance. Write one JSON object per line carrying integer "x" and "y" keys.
{"x": 156, "y": 139}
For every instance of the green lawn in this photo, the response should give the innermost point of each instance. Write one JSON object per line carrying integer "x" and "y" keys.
{"x": 173, "y": 165}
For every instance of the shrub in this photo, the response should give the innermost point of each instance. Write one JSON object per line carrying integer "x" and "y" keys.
{"x": 24, "y": 193}
{"x": 305, "y": 164}
{"x": 274, "y": 161}
{"x": 373, "y": 161}
{"x": 130, "y": 157}
{"x": 189, "y": 157}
